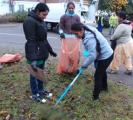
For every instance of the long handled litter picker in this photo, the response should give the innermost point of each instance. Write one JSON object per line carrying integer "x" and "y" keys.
{"x": 68, "y": 87}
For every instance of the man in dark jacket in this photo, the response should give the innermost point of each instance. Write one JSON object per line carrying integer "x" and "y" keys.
{"x": 37, "y": 48}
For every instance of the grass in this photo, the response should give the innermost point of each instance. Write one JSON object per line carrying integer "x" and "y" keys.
{"x": 116, "y": 104}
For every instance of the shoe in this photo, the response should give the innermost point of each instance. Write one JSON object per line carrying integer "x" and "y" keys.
{"x": 112, "y": 72}
{"x": 45, "y": 93}
{"x": 38, "y": 98}
{"x": 95, "y": 98}
{"x": 128, "y": 72}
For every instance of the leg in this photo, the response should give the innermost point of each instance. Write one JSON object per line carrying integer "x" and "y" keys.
{"x": 110, "y": 30}
{"x": 33, "y": 85}
{"x": 116, "y": 62}
{"x": 104, "y": 82}
{"x": 41, "y": 90}
{"x": 39, "y": 82}
{"x": 128, "y": 63}
{"x": 97, "y": 82}
{"x": 113, "y": 29}
{"x": 101, "y": 76}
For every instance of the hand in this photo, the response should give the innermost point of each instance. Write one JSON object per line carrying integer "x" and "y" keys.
{"x": 62, "y": 36}
{"x": 80, "y": 70}
{"x": 33, "y": 65}
{"x": 53, "y": 54}
{"x": 84, "y": 67}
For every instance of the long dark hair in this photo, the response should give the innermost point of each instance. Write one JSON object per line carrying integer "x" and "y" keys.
{"x": 80, "y": 26}
{"x": 41, "y": 7}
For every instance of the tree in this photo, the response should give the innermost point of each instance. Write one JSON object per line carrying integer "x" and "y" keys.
{"x": 117, "y": 5}
{"x": 113, "y": 5}
{"x": 104, "y": 5}
{"x": 11, "y": 6}
{"x": 129, "y": 9}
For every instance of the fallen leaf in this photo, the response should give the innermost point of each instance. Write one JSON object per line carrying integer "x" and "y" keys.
{"x": 3, "y": 113}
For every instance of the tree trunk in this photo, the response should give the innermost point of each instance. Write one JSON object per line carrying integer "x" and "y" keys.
{"x": 11, "y": 6}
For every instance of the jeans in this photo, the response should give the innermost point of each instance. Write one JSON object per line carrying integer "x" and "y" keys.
{"x": 111, "y": 30}
{"x": 100, "y": 28}
{"x": 100, "y": 76}
{"x": 36, "y": 85}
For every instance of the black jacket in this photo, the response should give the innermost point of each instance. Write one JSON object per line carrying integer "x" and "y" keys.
{"x": 37, "y": 46}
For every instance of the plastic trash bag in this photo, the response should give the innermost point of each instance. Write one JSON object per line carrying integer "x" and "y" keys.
{"x": 69, "y": 55}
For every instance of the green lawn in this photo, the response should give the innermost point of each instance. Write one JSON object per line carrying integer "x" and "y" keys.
{"x": 116, "y": 104}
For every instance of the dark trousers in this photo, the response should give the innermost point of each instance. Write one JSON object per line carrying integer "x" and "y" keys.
{"x": 100, "y": 76}
{"x": 36, "y": 84}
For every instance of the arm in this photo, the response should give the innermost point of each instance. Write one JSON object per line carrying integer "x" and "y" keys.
{"x": 50, "y": 49}
{"x": 29, "y": 27}
{"x": 62, "y": 27}
{"x": 118, "y": 32}
{"x": 62, "y": 23}
{"x": 91, "y": 48}
{"x": 78, "y": 19}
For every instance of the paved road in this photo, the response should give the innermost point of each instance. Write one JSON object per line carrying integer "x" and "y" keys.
{"x": 12, "y": 40}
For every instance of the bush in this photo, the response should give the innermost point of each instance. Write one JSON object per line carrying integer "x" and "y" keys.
{"x": 7, "y": 18}
{"x": 15, "y": 17}
{"x": 20, "y": 16}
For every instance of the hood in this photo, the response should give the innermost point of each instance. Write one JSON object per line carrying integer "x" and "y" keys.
{"x": 126, "y": 22}
{"x": 34, "y": 15}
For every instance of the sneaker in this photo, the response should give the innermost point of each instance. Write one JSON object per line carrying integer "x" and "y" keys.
{"x": 38, "y": 98}
{"x": 95, "y": 97}
{"x": 112, "y": 72}
{"x": 46, "y": 93}
{"x": 128, "y": 72}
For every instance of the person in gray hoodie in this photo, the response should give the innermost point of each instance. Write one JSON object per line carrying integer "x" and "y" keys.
{"x": 99, "y": 52}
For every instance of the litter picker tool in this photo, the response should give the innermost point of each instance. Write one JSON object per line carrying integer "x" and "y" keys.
{"x": 68, "y": 87}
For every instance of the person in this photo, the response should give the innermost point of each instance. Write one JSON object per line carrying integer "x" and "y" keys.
{"x": 100, "y": 23}
{"x": 124, "y": 46}
{"x": 70, "y": 45}
{"x": 99, "y": 52}
{"x": 113, "y": 22}
{"x": 37, "y": 48}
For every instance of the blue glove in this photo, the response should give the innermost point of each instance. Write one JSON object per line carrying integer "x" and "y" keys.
{"x": 86, "y": 53}
{"x": 84, "y": 67}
